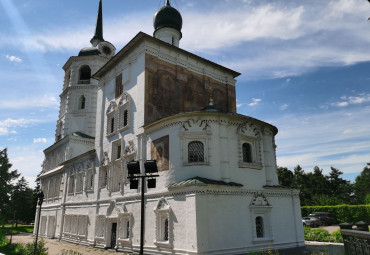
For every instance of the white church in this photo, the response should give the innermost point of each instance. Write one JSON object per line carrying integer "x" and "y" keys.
{"x": 217, "y": 190}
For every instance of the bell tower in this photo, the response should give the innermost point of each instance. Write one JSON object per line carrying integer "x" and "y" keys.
{"x": 78, "y": 100}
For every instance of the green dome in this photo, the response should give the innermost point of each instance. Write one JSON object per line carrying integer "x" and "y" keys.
{"x": 167, "y": 16}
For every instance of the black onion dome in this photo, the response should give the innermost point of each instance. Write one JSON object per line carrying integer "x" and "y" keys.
{"x": 167, "y": 16}
{"x": 89, "y": 51}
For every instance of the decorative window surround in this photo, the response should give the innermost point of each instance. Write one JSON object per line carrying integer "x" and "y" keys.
{"x": 75, "y": 226}
{"x": 71, "y": 185}
{"x": 164, "y": 224}
{"x": 89, "y": 182}
{"x": 248, "y": 133}
{"x": 79, "y": 183}
{"x": 193, "y": 131}
{"x": 124, "y": 112}
{"x": 103, "y": 177}
{"x": 125, "y": 228}
{"x": 100, "y": 227}
{"x": 260, "y": 213}
{"x": 111, "y": 119}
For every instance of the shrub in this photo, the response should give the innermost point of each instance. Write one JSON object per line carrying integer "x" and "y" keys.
{"x": 28, "y": 249}
{"x": 337, "y": 236}
{"x": 322, "y": 235}
{"x": 342, "y": 213}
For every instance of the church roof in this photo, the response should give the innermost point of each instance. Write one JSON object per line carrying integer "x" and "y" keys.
{"x": 167, "y": 16}
{"x": 136, "y": 41}
{"x": 200, "y": 181}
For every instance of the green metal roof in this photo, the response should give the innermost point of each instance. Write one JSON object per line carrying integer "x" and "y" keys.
{"x": 200, "y": 181}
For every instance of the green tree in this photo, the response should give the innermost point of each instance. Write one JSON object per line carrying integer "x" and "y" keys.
{"x": 6, "y": 178}
{"x": 22, "y": 199}
{"x": 285, "y": 176}
{"x": 362, "y": 185}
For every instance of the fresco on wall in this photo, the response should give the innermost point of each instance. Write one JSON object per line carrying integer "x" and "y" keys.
{"x": 160, "y": 152}
{"x": 172, "y": 89}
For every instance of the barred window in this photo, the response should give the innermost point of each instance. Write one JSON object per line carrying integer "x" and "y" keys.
{"x": 247, "y": 153}
{"x": 125, "y": 118}
{"x": 195, "y": 152}
{"x": 259, "y": 227}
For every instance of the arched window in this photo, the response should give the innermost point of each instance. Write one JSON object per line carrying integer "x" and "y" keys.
{"x": 195, "y": 152}
{"x": 82, "y": 102}
{"x": 259, "y": 227}
{"x": 247, "y": 153}
{"x": 85, "y": 74}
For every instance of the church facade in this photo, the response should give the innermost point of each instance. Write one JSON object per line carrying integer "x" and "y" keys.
{"x": 217, "y": 190}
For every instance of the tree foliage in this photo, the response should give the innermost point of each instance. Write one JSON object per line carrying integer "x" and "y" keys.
{"x": 319, "y": 189}
{"x": 6, "y": 187}
{"x": 16, "y": 197}
{"x": 362, "y": 186}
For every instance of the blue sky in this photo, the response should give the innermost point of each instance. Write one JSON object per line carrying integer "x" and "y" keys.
{"x": 305, "y": 68}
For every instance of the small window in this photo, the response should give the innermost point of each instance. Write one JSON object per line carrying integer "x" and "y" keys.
{"x": 85, "y": 74}
{"x": 125, "y": 118}
{"x": 118, "y": 151}
{"x": 82, "y": 102}
{"x": 259, "y": 227}
{"x": 119, "y": 87}
{"x": 165, "y": 230}
{"x": 127, "y": 229}
{"x": 71, "y": 188}
{"x": 247, "y": 153}
{"x": 111, "y": 125}
{"x": 195, "y": 152}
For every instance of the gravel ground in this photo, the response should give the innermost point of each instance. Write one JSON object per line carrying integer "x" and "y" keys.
{"x": 55, "y": 247}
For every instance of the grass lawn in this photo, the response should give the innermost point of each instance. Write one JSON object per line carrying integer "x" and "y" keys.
{"x": 16, "y": 230}
{"x": 5, "y": 248}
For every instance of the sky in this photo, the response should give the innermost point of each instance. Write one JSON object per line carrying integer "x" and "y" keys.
{"x": 305, "y": 68}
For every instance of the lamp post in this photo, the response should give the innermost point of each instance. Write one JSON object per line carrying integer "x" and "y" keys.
{"x": 40, "y": 195}
{"x": 134, "y": 176}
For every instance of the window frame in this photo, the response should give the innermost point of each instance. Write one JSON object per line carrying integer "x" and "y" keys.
{"x": 254, "y": 144}
{"x": 163, "y": 215}
{"x": 80, "y": 72}
{"x": 189, "y": 138}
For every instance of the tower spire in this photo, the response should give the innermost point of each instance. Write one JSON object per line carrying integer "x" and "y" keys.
{"x": 98, "y": 37}
{"x": 168, "y": 3}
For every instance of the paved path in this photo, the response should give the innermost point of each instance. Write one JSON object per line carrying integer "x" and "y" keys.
{"x": 55, "y": 247}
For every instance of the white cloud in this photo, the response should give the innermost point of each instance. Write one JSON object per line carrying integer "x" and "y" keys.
{"x": 283, "y": 107}
{"x": 5, "y": 125}
{"x": 31, "y": 102}
{"x": 255, "y": 101}
{"x": 301, "y": 35}
{"x": 340, "y": 138}
{"x": 40, "y": 140}
{"x": 352, "y": 100}
{"x": 14, "y": 59}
